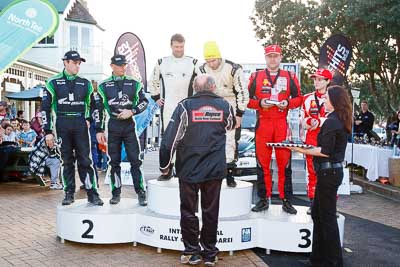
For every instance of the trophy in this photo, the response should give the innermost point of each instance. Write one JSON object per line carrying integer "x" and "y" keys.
{"x": 295, "y": 130}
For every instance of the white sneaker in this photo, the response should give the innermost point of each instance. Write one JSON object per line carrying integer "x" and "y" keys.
{"x": 56, "y": 186}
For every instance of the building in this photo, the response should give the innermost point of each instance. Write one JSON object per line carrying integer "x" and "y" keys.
{"x": 22, "y": 75}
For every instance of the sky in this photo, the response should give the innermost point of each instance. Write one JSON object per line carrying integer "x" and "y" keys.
{"x": 155, "y": 21}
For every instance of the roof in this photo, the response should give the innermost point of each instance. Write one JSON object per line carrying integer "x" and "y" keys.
{"x": 80, "y": 13}
{"x": 60, "y": 5}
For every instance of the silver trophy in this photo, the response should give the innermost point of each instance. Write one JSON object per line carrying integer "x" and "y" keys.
{"x": 295, "y": 130}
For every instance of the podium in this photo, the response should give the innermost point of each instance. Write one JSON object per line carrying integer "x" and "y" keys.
{"x": 158, "y": 224}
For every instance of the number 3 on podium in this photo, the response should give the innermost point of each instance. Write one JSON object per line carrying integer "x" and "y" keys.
{"x": 306, "y": 237}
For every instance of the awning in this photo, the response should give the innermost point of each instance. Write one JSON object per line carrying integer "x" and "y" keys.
{"x": 32, "y": 94}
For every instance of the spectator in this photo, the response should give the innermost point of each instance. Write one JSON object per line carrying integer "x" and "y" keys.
{"x": 9, "y": 135}
{"x": 394, "y": 130}
{"x": 3, "y": 111}
{"x": 27, "y": 136}
{"x": 36, "y": 125}
{"x": 364, "y": 121}
{"x": 4, "y": 122}
{"x": 16, "y": 126}
{"x": 47, "y": 154}
{"x": 20, "y": 116}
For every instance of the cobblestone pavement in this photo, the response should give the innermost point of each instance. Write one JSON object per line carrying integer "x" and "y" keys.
{"x": 28, "y": 232}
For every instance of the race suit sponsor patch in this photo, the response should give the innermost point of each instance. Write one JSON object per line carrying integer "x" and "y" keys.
{"x": 207, "y": 114}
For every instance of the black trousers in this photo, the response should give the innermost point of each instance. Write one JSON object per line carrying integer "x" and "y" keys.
{"x": 123, "y": 131}
{"x": 75, "y": 146}
{"x": 210, "y": 192}
{"x": 326, "y": 248}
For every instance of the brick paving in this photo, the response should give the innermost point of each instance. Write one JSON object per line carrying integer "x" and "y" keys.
{"x": 27, "y": 229}
{"x": 28, "y": 233}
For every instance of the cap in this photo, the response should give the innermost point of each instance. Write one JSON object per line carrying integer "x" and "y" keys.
{"x": 118, "y": 60}
{"x": 3, "y": 103}
{"x": 272, "y": 49}
{"x": 211, "y": 50}
{"x": 323, "y": 73}
{"x": 73, "y": 55}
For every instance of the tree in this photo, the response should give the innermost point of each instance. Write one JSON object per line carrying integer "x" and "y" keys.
{"x": 372, "y": 26}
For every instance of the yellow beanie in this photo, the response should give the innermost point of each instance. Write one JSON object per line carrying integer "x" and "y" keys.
{"x": 211, "y": 50}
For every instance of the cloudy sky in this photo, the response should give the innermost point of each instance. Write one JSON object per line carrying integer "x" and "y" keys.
{"x": 154, "y": 21}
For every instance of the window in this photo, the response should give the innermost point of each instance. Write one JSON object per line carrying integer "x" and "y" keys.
{"x": 47, "y": 40}
{"x": 73, "y": 37}
{"x": 85, "y": 38}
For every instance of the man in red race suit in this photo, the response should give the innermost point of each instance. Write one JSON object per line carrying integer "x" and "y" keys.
{"x": 314, "y": 114}
{"x": 272, "y": 92}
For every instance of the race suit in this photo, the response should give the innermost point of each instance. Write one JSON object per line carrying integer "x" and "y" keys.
{"x": 115, "y": 94}
{"x": 271, "y": 123}
{"x": 70, "y": 99}
{"x": 230, "y": 85}
{"x": 313, "y": 108}
{"x": 172, "y": 79}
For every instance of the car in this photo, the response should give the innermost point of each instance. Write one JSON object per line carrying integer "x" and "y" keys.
{"x": 381, "y": 132}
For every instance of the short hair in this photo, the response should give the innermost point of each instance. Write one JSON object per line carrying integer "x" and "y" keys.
{"x": 20, "y": 112}
{"x": 364, "y": 101}
{"x": 177, "y": 37}
{"x": 25, "y": 121}
{"x": 13, "y": 119}
{"x": 206, "y": 86}
{"x": 7, "y": 125}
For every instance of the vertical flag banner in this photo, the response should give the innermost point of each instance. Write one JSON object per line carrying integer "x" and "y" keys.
{"x": 131, "y": 47}
{"x": 23, "y": 23}
{"x": 335, "y": 55}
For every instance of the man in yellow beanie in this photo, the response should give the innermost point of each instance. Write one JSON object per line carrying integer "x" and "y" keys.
{"x": 230, "y": 85}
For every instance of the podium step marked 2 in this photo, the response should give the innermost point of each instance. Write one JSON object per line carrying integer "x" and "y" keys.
{"x": 238, "y": 228}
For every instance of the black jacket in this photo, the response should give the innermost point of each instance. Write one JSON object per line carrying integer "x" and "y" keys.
{"x": 197, "y": 131}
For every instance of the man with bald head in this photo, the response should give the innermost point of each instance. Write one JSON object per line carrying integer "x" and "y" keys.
{"x": 197, "y": 131}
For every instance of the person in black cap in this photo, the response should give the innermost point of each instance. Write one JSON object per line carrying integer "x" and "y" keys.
{"x": 122, "y": 98}
{"x": 70, "y": 98}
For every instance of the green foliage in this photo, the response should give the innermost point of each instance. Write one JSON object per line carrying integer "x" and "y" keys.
{"x": 372, "y": 26}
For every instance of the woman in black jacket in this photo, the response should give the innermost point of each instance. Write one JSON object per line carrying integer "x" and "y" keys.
{"x": 328, "y": 158}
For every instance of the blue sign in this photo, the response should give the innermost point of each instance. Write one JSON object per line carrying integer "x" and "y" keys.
{"x": 246, "y": 235}
{"x": 23, "y": 23}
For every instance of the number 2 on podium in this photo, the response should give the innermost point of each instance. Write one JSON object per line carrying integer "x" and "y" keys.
{"x": 90, "y": 228}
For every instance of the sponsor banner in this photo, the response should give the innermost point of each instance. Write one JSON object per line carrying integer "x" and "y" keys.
{"x": 23, "y": 23}
{"x": 335, "y": 55}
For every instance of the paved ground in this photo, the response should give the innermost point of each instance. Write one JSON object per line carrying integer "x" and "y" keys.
{"x": 27, "y": 232}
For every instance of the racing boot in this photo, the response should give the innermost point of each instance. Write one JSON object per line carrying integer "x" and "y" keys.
{"x": 287, "y": 207}
{"x": 168, "y": 176}
{"x": 230, "y": 180}
{"x": 142, "y": 198}
{"x": 68, "y": 199}
{"x": 309, "y": 209}
{"x": 262, "y": 204}
{"x": 116, "y": 196}
{"x": 93, "y": 198}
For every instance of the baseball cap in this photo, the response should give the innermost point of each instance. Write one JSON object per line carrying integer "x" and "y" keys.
{"x": 73, "y": 55}
{"x": 323, "y": 73}
{"x": 118, "y": 60}
{"x": 272, "y": 49}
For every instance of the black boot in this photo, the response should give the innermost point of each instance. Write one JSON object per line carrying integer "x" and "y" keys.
{"x": 68, "y": 200}
{"x": 142, "y": 198}
{"x": 230, "y": 181}
{"x": 287, "y": 207}
{"x": 115, "y": 199}
{"x": 93, "y": 198}
{"x": 261, "y": 205}
{"x": 167, "y": 176}
{"x": 309, "y": 209}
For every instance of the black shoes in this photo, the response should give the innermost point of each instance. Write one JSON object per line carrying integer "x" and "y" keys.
{"x": 230, "y": 182}
{"x": 142, "y": 198}
{"x": 212, "y": 262}
{"x": 93, "y": 198}
{"x": 68, "y": 199}
{"x": 167, "y": 176}
{"x": 191, "y": 259}
{"x": 287, "y": 207}
{"x": 261, "y": 205}
{"x": 115, "y": 199}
